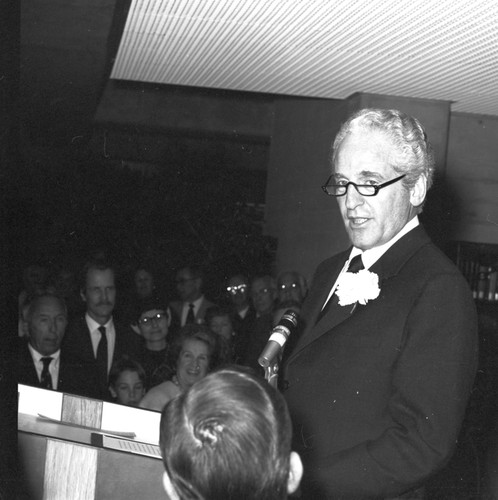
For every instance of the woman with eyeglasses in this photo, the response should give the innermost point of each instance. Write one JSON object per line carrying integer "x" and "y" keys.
{"x": 193, "y": 354}
{"x": 152, "y": 324}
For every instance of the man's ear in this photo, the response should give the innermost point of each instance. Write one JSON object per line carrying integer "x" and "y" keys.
{"x": 82, "y": 294}
{"x": 25, "y": 328}
{"x": 418, "y": 191}
{"x": 168, "y": 487}
{"x": 295, "y": 473}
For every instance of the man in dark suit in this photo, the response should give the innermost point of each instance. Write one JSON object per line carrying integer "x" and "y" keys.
{"x": 41, "y": 362}
{"x": 193, "y": 304}
{"x": 95, "y": 340}
{"x": 378, "y": 382}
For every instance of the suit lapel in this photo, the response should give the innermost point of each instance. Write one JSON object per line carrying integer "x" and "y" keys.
{"x": 323, "y": 282}
{"x": 386, "y": 267}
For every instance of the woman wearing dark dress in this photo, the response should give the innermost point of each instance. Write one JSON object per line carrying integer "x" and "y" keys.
{"x": 153, "y": 326}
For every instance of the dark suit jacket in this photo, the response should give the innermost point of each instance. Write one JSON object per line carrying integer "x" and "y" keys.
{"x": 77, "y": 346}
{"x": 378, "y": 398}
{"x": 242, "y": 328}
{"x": 73, "y": 378}
{"x": 177, "y": 306}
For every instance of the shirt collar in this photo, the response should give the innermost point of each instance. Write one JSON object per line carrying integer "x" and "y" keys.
{"x": 93, "y": 325}
{"x": 37, "y": 356}
{"x": 372, "y": 255}
{"x": 197, "y": 303}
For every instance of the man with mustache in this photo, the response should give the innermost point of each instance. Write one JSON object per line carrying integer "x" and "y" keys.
{"x": 96, "y": 340}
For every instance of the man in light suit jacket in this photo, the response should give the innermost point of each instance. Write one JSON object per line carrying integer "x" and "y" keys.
{"x": 86, "y": 333}
{"x": 378, "y": 382}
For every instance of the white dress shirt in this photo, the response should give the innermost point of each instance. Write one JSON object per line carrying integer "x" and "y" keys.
{"x": 372, "y": 255}
{"x": 53, "y": 367}
{"x": 95, "y": 335}
{"x": 186, "y": 306}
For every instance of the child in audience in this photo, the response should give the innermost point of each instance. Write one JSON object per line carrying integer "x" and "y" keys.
{"x": 127, "y": 382}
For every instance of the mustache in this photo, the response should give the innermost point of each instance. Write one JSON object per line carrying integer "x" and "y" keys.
{"x": 104, "y": 303}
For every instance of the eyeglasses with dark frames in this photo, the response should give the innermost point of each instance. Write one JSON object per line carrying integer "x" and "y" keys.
{"x": 147, "y": 320}
{"x": 363, "y": 189}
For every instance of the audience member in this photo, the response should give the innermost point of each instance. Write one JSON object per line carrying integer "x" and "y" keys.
{"x": 243, "y": 311}
{"x": 153, "y": 325}
{"x": 291, "y": 289}
{"x": 219, "y": 320}
{"x": 228, "y": 437}
{"x": 192, "y": 306}
{"x": 263, "y": 294}
{"x": 194, "y": 353}
{"x": 145, "y": 285}
{"x": 95, "y": 339}
{"x": 35, "y": 282}
{"x": 141, "y": 288}
{"x": 127, "y": 381}
{"x": 66, "y": 286}
{"x": 41, "y": 361}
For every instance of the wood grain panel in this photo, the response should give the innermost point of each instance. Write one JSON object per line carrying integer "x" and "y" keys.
{"x": 82, "y": 411}
{"x": 70, "y": 471}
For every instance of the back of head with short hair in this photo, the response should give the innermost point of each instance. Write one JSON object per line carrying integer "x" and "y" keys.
{"x": 229, "y": 437}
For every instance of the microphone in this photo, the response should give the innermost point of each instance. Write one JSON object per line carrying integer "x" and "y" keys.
{"x": 278, "y": 338}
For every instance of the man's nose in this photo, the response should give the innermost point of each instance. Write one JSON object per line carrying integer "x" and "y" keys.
{"x": 353, "y": 198}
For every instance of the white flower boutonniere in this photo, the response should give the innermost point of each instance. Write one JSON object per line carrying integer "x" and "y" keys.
{"x": 357, "y": 287}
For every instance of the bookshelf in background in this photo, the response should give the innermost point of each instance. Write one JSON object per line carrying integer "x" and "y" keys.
{"x": 479, "y": 264}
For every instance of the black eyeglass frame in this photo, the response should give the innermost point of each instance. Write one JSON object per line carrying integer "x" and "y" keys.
{"x": 375, "y": 187}
{"x": 157, "y": 317}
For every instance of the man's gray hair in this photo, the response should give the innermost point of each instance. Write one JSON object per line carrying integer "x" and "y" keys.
{"x": 413, "y": 155}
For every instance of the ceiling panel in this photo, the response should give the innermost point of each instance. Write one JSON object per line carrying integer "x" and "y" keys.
{"x": 318, "y": 48}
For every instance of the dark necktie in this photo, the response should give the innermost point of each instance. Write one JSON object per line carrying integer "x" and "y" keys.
{"x": 102, "y": 353}
{"x": 190, "y": 315}
{"x": 355, "y": 265}
{"x": 46, "y": 378}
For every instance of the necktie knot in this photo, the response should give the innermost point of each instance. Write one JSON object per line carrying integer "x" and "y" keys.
{"x": 46, "y": 361}
{"x": 102, "y": 330}
{"x": 356, "y": 264}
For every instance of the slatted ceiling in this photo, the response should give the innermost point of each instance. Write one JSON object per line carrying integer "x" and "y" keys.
{"x": 444, "y": 50}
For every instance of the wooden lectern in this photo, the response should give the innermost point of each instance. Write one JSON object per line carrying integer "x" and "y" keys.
{"x": 75, "y": 448}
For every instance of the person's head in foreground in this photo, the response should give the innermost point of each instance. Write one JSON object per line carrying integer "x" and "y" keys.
{"x": 382, "y": 167}
{"x": 228, "y": 437}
